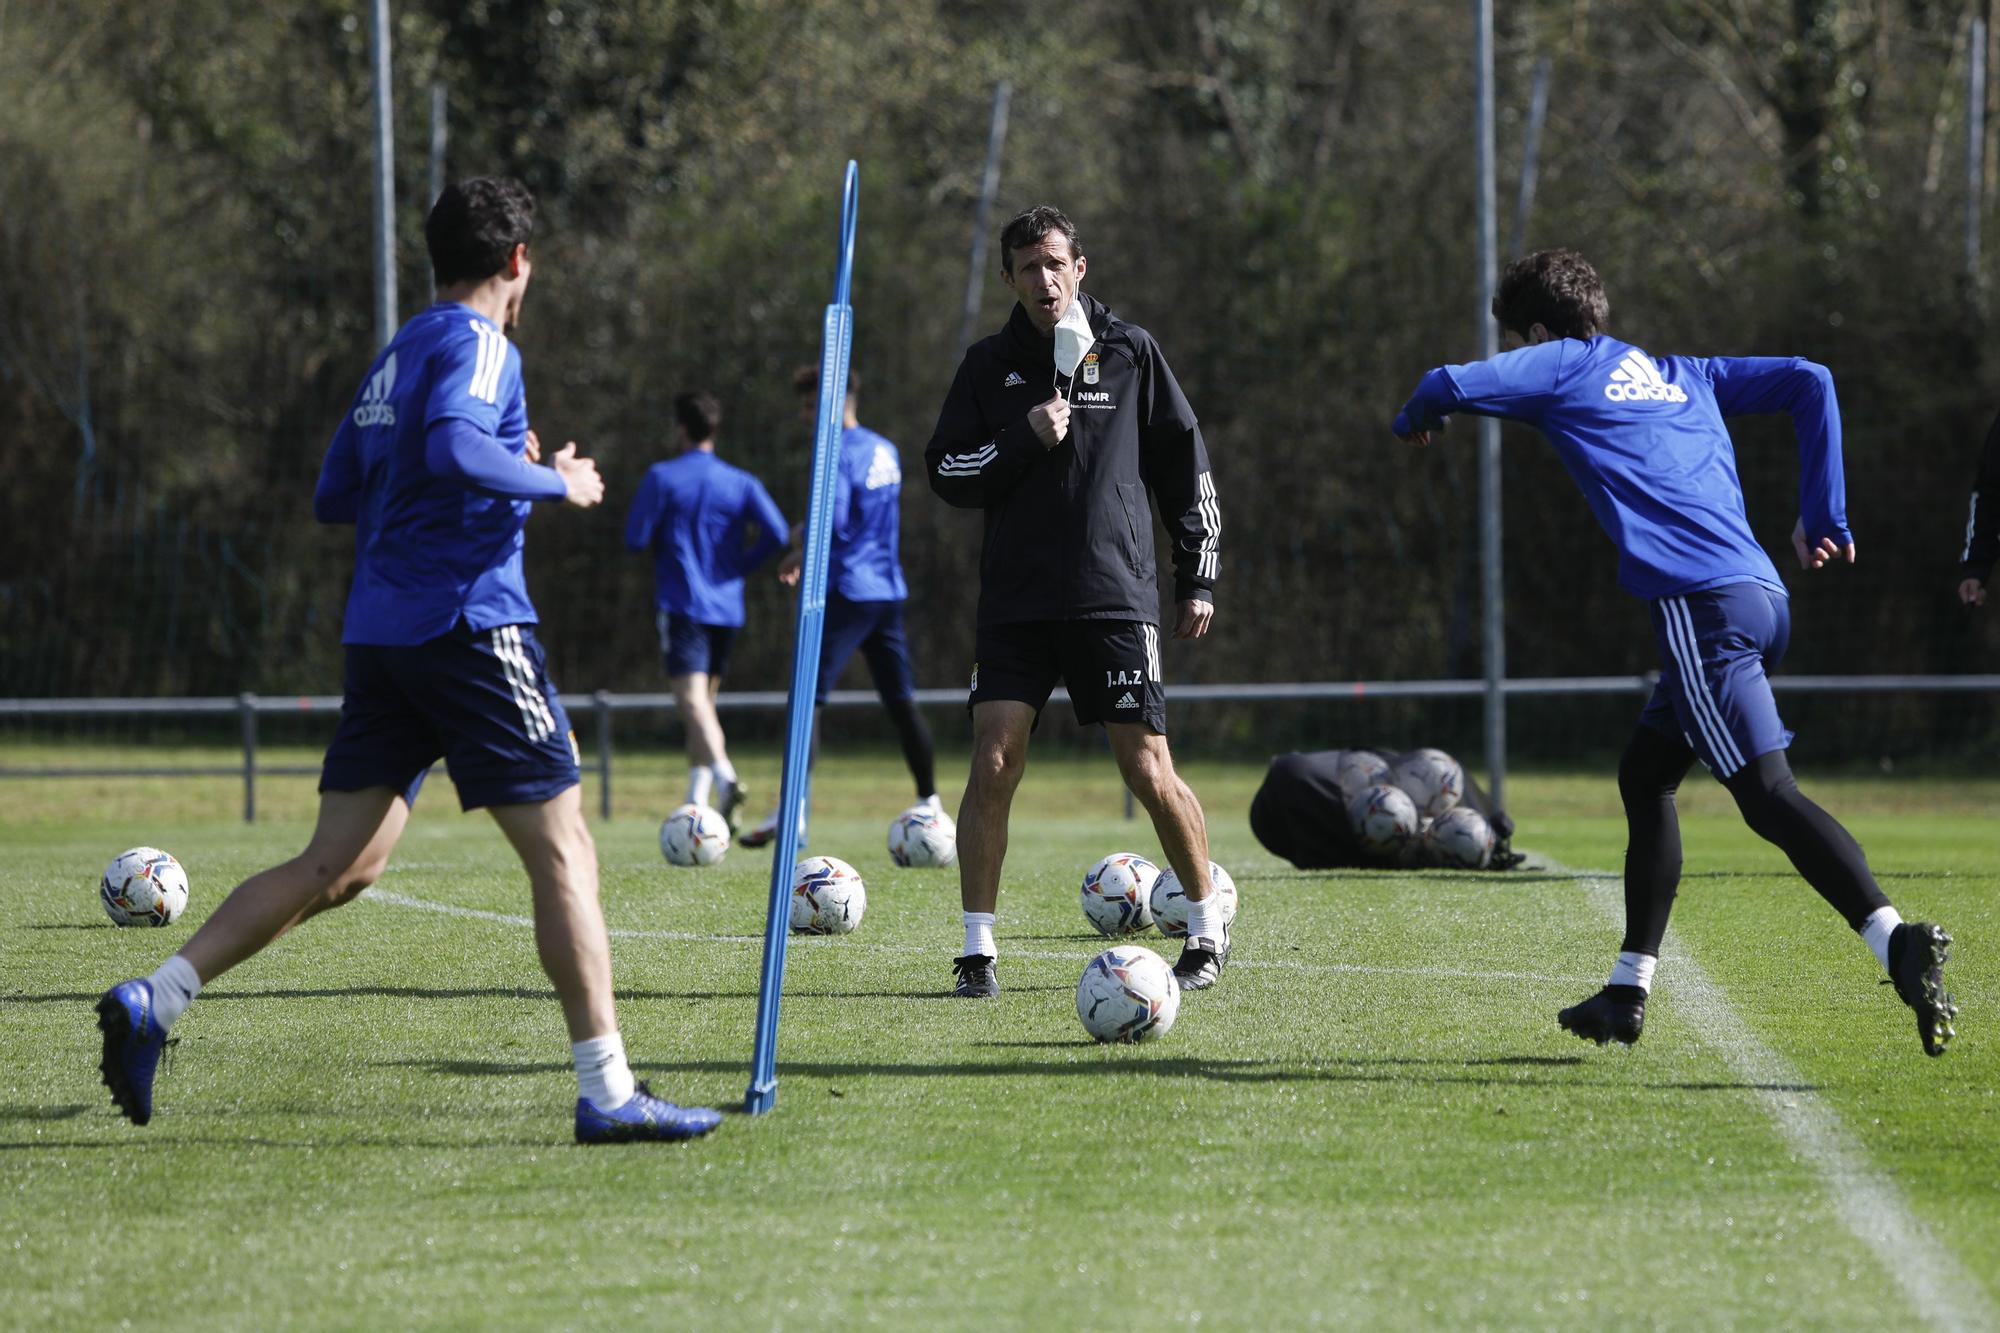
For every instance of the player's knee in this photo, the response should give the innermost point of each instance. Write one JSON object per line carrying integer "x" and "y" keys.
{"x": 1147, "y": 769}
{"x": 997, "y": 763}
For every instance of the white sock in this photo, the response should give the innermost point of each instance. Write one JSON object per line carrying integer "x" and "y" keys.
{"x": 1634, "y": 969}
{"x": 701, "y": 781}
{"x": 725, "y": 770}
{"x": 602, "y": 1076}
{"x": 1877, "y": 929}
{"x": 979, "y": 934}
{"x": 932, "y": 802}
{"x": 1205, "y": 918}
{"x": 174, "y": 985}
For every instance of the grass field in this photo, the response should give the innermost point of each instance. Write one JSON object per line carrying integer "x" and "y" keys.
{"x": 1373, "y": 1121}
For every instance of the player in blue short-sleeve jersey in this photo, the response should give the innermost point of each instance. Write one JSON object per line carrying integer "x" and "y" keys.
{"x": 435, "y": 466}
{"x": 708, "y": 524}
{"x": 1644, "y": 439}
{"x": 865, "y": 592}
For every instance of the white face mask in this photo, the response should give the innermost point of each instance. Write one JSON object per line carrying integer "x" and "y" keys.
{"x": 1073, "y": 337}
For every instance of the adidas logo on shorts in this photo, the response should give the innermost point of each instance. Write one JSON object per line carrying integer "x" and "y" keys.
{"x": 1127, "y": 702}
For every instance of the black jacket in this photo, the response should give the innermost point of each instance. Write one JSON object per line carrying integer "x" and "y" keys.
{"x": 1982, "y": 521}
{"x": 1069, "y": 530}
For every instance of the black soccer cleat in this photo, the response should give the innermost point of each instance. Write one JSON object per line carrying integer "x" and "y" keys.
{"x": 1917, "y": 953}
{"x": 1200, "y": 963}
{"x": 732, "y": 795}
{"x": 977, "y": 978}
{"x": 1616, "y": 1013}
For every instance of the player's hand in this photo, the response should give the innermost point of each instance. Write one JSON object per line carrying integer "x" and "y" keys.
{"x": 1822, "y": 552}
{"x": 1193, "y": 618}
{"x": 1972, "y": 592}
{"x": 1420, "y": 438}
{"x": 790, "y": 566}
{"x": 534, "y": 446}
{"x": 1050, "y": 421}
{"x": 579, "y": 476}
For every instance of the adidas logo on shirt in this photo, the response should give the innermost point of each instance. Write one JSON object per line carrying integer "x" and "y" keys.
{"x": 1637, "y": 380}
{"x": 1013, "y": 380}
{"x": 1127, "y": 702}
{"x": 375, "y": 409}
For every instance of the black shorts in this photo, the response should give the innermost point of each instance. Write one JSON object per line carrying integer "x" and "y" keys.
{"x": 480, "y": 700}
{"x": 1112, "y": 668}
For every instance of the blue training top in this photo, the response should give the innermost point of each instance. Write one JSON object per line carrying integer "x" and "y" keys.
{"x": 429, "y": 465}
{"x": 708, "y": 524}
{"x": 1643, "y": 437}
{"x": 862, "y": 564}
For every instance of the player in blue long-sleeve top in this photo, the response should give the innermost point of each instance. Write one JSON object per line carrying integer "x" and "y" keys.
{"x": 708, "y": 524}
{"x": 1644, "y": 439}
{"x": 434, "y": 465}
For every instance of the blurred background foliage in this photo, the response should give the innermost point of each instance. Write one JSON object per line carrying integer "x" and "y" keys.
{"x": 1280, "y": 189}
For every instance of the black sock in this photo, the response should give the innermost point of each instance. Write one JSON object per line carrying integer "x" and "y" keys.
{"x": 1822, "y": 851}
{"x": 1648, "y": 776}
{"x": 915, "y": 734}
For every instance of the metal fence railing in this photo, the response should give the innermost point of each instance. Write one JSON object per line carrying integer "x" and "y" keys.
{"x": 598, "y": 708}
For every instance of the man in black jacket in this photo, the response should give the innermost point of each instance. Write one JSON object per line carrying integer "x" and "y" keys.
{"x": 1062, "y": 427}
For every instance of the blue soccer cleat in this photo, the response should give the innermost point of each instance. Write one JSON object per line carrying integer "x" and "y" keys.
{"x": 642, "y": 1118}
{"x": 132, "y": 1045}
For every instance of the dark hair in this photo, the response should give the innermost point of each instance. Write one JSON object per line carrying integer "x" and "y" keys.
{"x": 699, "y": 414}
{"x": 1557, "y": 289}
{"x": 474, "y": 225}
{"x": 805, "y": 380}
{"x": 1029, "y": 228}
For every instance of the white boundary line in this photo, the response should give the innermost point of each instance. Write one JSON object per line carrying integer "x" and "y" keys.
{"x": 392, "y": 899}
{"x": 1869, "y": 1202}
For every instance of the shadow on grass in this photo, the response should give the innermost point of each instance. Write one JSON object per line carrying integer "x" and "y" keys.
{"x": 1358, "y": 1069}
{"x": 502, "y": 993}
{"x": 67, "y": 925}
{"x": 21, "y": 1111}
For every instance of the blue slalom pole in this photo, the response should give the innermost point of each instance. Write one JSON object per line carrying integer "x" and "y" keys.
{"x": 836, "y": 340}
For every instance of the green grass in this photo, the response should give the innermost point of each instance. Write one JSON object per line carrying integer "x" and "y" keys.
{"x": 367, "y": 1126}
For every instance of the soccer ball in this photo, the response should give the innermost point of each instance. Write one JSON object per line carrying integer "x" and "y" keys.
{"x": 1118, "y": 894}
{"x": 922, "y": 836}
{"x": 828, "y": 897}
{"x": 143, "y": 887}
{"x": 1431, "y": 779}
{"x": 1128, "y": 994}
{"x": 1461, "y": 837}
{"x": 694, "y": 835}
{"x": 1358, "y": 770}
{"x": 1383, "y": 818}
{"x": 1170, "y": 904}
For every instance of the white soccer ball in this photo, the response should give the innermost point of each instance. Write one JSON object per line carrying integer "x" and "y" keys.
{"x": 1128, "y": 994}
{"x": 1358, "y": 770}
{"x": 1383, "y": 818}
{"x": 1431, "y": 779}
{"x": 922, "y": 836}
{"x": 828, "y": 897}
{"x": 1461, "y": 837}
{"x": 143, "y": 887}
{"x": 1170, "y": 904}
{"x": 694, "y": 835}
{"x": 1118, "y": 894}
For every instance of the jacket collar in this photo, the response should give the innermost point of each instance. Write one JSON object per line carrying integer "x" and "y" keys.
{"x": 1026, "y": 341}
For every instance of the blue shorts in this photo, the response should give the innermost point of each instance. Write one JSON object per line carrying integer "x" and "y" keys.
{"x": 481, "y": 700}
{"x": 688, "y": 647}
{"x": 1715, "y": 647}
{"x": 876, "y": 628}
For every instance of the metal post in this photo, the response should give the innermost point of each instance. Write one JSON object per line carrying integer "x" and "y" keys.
{"x": 438, "y": 110}
{"x": 1531, "y": 148}
{"x": 1975, "y": 147}
{"x": 1491, "y": 588}
{"x": 246, "y": 713}
{"x": 385, "y": 175}
{"x": 989, "y": 186}
{"x": 601, "y": 703}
